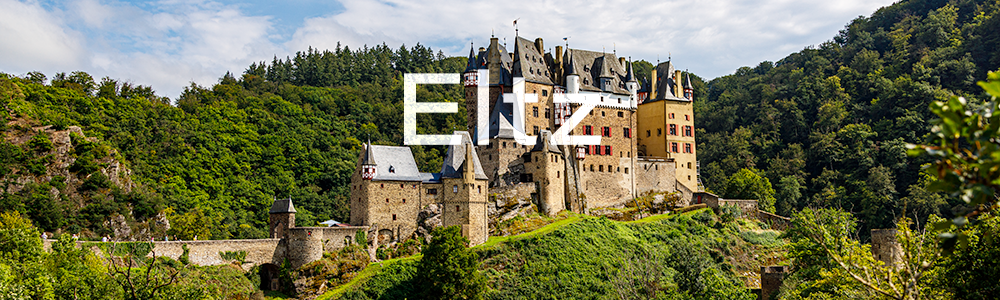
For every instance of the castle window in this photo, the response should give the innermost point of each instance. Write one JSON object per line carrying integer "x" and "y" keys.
{"x": 618, "y": 169}
{"x": 626, "y": 170}
{"x": 659, "y": 131}
{"x": 627, "y": 132}
{"x": 479, "y": 188}
{"x": 386, "y": 200}
{"x": 588, "y": 130}
{"x": 673, "y": 147}
{"x": 671, "y": 115}
{"x": 402, "y": 186}
{"x": 687, "y": 118}
{"x": 458, "y": 208}
{"x": 392, "y": 169}
{"x": 404, "y": 200}
{"x": 557, "y": 174}
{"x": 534, "y": 111}
{"x": 586, "y": 150}
{"x": 546, "y": 112}
{"x": 689, "y": 165}
{"x": 536, "y": 129}
{"x": 687, "y": 131}
{"x": 687, "y": 149}
{"x": 545, "y": 92}
{"x": 454, "y": 189}
{"x": 673, "y": 129}
{"x": 607, "y": 150}
{"x": 505, "y": 144}
{"x": 591, "y": 168}
{"x": 432, "y": 191}
{"x": 606, "y": 131}
{"x": 600, "y": 168}
{"x": 602, "y": 113}
{"x": 414, "y": 186}
{"x": 647, "y": 133}
{"x": 381, "y": 185}
{"x": 620, "y": 114}
{"x": 393, "y": 217}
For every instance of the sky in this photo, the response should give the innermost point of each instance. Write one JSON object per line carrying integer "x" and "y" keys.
{"x": 171, "y": 44}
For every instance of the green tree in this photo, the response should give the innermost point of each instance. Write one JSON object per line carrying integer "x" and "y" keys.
{"x": 747, "y": 184}
{"x": 448, "y": 269}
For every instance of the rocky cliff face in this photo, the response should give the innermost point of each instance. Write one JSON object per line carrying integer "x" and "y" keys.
{"x": 68, "y": 182}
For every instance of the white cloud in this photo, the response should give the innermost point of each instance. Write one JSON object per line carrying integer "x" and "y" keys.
{"x": 169, "y": 43}
{"x": 34, "y": 39}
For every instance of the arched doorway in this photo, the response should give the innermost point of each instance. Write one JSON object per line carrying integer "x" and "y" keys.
{"x": 269, "y": 277}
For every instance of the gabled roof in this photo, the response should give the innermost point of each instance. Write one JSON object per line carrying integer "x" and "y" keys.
{"x": 454, "y": 160}
{"x": 544, "y": 142}
{"x": 529, "y": 62}
{"x": 394, "y": 163}
{"x": 281, "y": 206}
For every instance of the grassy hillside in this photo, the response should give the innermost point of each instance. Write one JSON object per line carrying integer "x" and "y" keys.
{"x": 694, "y": 254}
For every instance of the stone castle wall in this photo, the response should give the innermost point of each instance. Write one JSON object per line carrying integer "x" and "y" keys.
{"x": 654, "y": 175}
{"x": 206, "y": 253}
{"x": 885, "y": 247}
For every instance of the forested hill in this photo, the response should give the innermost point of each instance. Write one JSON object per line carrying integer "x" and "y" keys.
{"x": 215, "y": 161}
{"x": 827, "y": 126}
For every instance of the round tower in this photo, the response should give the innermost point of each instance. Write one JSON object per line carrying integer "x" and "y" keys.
{"x": 885, "y": 247}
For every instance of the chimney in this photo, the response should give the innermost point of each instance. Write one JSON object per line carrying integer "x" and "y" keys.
{"x": 559, "y": 53}
{"x": 540, "y": 46}
{"x": 481, "y": 49}
{"x": 652, "y": 85}
{"x": 677, "y": 84}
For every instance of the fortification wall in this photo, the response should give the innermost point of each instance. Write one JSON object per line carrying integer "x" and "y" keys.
{"x": 748, "y": 208}
{"x": 206, "y": 253}
{"x": 775, "y": 221}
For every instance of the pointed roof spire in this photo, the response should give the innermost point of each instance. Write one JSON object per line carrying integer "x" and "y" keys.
{"x": 629, "y": 76}
{"x": 687, "y": 80}
{"x": 471, "y": 65}
{"x": 570, "y": 70}
{"x": 605, "y": 67}
{"x": 282, "y": 206}
{"x": 369, "y": 156}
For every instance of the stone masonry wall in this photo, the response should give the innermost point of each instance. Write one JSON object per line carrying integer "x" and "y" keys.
{"x": 206, "y": 253}
{"x": 654, "y": 175}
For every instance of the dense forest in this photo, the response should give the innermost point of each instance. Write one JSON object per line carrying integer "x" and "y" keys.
{"x": 215, "y": 160}
{"x": 828, "y": 126}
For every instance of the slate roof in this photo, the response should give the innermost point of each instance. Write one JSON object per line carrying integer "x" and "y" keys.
{"x": 505, "y": 64}
{"x": 501, "y": 119}
{"x": 282, "y": 206}
{"x": 529, "y": 62}
{"x": 544, "y": 142}
{"x": 394, "y": 163}
{"x": 471, "y": 65}
{"x": 687, "y": 81}
{"x": 630, "y": 76}
{"x": 589, "y": 65}
{"x": 665, "y": 84}
{"x": 454, "y": 159}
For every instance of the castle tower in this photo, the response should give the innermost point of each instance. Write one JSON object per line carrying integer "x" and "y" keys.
{"x": 547, "y": 167}
{"x": 885, "y": 247}
{"x": 688, "y": 88}
{"x": 282, "y": 218}
{"x": 464, "y": 192}
{"x": 470, "y": 78}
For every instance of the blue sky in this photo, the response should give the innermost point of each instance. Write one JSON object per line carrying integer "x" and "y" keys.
{"x": 170, "y": 44}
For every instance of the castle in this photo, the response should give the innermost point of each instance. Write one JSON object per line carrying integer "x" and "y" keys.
{"x": 646, "y": 132}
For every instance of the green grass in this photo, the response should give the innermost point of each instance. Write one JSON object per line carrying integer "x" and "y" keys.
{"x": 494, "y": 240}
{"x": 364, "y": 275}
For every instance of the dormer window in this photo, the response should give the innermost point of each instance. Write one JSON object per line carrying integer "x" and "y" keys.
{"x": 392, "y": 169}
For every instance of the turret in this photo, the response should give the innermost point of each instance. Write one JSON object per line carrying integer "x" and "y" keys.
{"x": 572, "y": 78}
{"x": 630, "y": 81}
{"x": 688, "y": 89}
{"x": 470, "y": 77}
{"x": 368, "y": 169}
